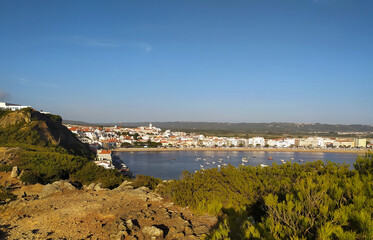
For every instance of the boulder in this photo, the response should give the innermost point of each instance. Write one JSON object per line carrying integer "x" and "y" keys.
{"x": 126, "y": 185}
{"x": 49, "y": 190}
{"x": 98, "y": 187}
{"x": 91, "y": 186}
{"x": 152, "y": 232}
{"x": 15, "y": 172}
{"x": 55, "y": 187}
{"x": 68, "y": 186}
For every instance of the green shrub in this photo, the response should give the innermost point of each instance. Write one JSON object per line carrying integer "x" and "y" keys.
{"x": 90, "y": 172}
{"x": 29, "y": 177}
{"x": 5, "y": 194}
{"x": 146, "y": 181}
{"x": 5, "y": 168}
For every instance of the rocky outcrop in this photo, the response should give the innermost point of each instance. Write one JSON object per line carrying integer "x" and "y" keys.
{"x": 56, "y": 187}
{"x": 63, "y": 212}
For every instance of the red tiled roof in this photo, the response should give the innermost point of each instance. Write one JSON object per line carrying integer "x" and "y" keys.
{"x": 105, "y": 151}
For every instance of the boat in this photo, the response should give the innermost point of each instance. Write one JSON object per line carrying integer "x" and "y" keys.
{"x": 263, "y": 165}
{"x": 218, "y": 165}
{"x": 244, "y": 160}
{"x": 228, "y": 156}
{"x": 300, "y": 160}
{"x": 123, "y": 168}
{"x": 270, "y": 158}
{"x": 213, "y": 162}
{"x": 224, "y": 164}
{"x": 291, "y": 158}
{"x": 207, "y": 163}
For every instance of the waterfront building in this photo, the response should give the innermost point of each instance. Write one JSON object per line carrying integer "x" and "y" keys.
{"x": 360, "y": 142}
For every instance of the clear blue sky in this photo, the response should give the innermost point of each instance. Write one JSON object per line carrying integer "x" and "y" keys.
{"x": 192, "y": 60}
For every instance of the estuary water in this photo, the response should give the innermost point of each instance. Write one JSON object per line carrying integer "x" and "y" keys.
{"x": 170, "y": 164}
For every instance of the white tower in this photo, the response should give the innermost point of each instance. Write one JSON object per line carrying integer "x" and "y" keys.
{"x": 150, "y": 125}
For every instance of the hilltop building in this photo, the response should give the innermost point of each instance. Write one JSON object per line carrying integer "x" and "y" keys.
{"x": 11, "y": 106}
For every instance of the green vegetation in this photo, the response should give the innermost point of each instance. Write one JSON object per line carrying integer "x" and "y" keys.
{"x": 5, "y": 168}
{"x": 4, "y": 112}
{"x": 49, "y": 152}
{"x": 5, "y": 194}
{"x": 311, "y": 201}
{"x": 146, "y": 181}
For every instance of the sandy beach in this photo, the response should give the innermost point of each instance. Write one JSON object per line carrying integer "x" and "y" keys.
{"x": 357, "y": 151}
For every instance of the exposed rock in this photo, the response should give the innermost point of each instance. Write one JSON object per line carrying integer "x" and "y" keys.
{"x": 49, "y": 190}
{"x": 99, "y": 187}
{"x": 129, "y": 223}
{"x": 20, "y": 175}
{"x": 55, "y": 187}
{"x": 152, "y": 232}
{"x": 68, "y": 186}
{"x": 141, "y": 190}
{"x": 15, "y": 172}
{"x": 188, "y": 230}
{"x": 126, "y": 185}
{"x": 91, "y": 186}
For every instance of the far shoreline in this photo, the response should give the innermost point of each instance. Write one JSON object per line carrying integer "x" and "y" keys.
{"x": 356, "y": 151}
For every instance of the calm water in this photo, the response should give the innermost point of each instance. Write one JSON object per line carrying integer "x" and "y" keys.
{"x": 169, "y": 165}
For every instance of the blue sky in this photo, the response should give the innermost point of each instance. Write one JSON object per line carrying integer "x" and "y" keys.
{"x": 225, "y": 61}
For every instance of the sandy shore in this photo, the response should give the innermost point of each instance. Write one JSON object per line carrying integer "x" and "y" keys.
{"x": 357, "y": 151}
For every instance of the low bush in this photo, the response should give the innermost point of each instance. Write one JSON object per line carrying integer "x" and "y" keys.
{"x": 5, "y": 168}
{"x": 29, "y": 177}
{"x": 5, "y": 194}
{"x": 146, "y": 181}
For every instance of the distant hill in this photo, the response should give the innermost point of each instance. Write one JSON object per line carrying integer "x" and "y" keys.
{"x": 253, "y": 128}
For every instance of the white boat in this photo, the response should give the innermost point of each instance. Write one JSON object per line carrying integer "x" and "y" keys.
{"x": 224, "y": 164}
{"x": 207, "y": 163}
{"x": 213, "y": 162}
{"x": 263, "y": 165}
{"x": 300, "y": 160}
{"x": 219, "y": 165}
{"x": 244, "y": 160}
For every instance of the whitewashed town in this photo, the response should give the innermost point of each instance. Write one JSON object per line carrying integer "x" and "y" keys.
{"x": 151, "y": 136}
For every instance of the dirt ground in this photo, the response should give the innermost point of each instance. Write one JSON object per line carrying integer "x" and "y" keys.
{"x": 122, "y": 213}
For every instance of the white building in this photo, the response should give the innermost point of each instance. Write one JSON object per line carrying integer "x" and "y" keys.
{"x": 11, "y": 106}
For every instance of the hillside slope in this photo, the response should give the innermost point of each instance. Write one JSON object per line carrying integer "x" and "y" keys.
{"x": 28, "y": 126}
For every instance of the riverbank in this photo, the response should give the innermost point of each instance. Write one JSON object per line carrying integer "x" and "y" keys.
{"x": 357, "y": 151}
